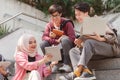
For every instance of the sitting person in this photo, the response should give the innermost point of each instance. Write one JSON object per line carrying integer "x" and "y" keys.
{"x": 29, "y": 65}
{"x": 3, "y": 68}
{"x": 65, "y": 42}
{"x": 93, "y": 47}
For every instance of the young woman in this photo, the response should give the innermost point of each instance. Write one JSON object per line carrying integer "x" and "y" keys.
{"x": 29, "y": 65}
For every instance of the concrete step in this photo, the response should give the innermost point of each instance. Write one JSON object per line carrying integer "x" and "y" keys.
{"x": 55, "y": 76}
{"x": 100, "y": 75}
{"x": 105, "y": 64}
{"x": 108, "y": 75}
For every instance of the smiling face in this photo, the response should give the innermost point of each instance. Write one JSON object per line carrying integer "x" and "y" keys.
{"x": 80, "y": 15}
{"x": 56, "y": 18}
{"x": 32, "y": 44}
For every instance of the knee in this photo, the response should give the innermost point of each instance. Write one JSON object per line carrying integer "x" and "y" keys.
{"x": 89, "y": 42}
{"x": 65, "y": 41}
{"x": 71, "y": 52}
{"x": 34, "y": 72}
{"x": 43, "y": 44}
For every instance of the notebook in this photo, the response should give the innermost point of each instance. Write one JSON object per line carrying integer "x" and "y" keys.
{"x": 58, "y": 32}
{"x": 94, "y": 24}
{"x": 55, "y": 52}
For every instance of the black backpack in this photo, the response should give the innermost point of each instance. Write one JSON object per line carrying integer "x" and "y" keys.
{"x": 65, "y": 22}
{"x": 115, "y": 31}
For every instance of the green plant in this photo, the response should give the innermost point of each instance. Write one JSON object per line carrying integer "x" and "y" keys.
{"x": 67, "y": 5}
{"x": 4, "y": 29}
{"x": 110, "y": 4}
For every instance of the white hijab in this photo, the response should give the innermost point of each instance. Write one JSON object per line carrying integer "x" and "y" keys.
{"x": 23, "y": 45}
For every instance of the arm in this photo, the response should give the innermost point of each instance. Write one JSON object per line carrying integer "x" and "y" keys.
{"x": 46, "y": 35}
{"x": 109, "y": 37}
{"x": 96, "y": 37}
{"x": 47, "y": 70}
{"x": 22, "y": 60}
{"x": 69, "y": 31}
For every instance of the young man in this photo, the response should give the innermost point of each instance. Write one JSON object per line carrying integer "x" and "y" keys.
{"x": 92, "y": 46}
{"x": 65, "y": 41}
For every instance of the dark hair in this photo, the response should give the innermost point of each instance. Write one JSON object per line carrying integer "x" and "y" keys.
{"x": 55, "y": 8}
{"x": 82, "y": 6}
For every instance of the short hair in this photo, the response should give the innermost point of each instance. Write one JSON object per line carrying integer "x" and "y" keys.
{"x": 82, "y": 6}
{"x": 55, "y": 8}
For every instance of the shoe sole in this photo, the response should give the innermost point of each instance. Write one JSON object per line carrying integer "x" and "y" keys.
{"x": 90, "y": 78}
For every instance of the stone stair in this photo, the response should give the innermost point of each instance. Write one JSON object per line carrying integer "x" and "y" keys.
{"x": 106, "y": 69}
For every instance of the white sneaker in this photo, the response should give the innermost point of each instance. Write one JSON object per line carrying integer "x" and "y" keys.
{"x": 69, "y": 76}
{"x": 91, "y": 78}
{"x": 65, "y": 68}
{"x": 86, "y": 76}
{"x": 54, "y": 69}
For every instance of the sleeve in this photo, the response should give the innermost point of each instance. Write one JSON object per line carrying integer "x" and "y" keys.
{"x": 45, "y": 71}
{"x": 23, "y": 62}
{"x": 110, "y": 38}
{"x": 82, "y": 37}
{"x": 46, "y": 35}
{"x": 110, "y": 35}
{"x": 70, "y": 31}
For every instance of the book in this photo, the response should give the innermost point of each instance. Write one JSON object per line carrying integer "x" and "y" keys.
{"x": 58, "y": 32}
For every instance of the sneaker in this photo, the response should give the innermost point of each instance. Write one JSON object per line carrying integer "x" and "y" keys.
{"x": 86, "y": 76}
{"x": 54, "y": 69}
{"x": 65, "y": 68}
{"x": 69, "y": 76}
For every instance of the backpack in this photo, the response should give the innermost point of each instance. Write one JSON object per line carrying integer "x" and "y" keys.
{"x": 65, "y": 22}
{"x": 115, "y": 31}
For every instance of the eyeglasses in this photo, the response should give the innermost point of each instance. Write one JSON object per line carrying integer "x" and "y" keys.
{"x": 57, "y": 15}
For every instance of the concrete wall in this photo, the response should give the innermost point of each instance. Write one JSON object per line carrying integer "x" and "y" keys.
{"x": 12, "y": 7}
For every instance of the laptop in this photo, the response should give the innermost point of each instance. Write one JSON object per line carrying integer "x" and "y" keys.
{"x": 55, "y": 52}
{"x": 94, "y": 24}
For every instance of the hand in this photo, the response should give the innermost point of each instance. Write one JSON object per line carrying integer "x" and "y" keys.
{"x": 78, "y": 42}
{"x": 52, "y": 35}
{"x": 61, "y": 38}
{"x": 53, "y": 63}
{"x": 96, "y": 37}
{"x": 47, "y": 71}
{"x": 99, "y": 38}
{"x": 3, "y": 71}
{"x": 58, "y": 41}
{"x": 47, "y": 57}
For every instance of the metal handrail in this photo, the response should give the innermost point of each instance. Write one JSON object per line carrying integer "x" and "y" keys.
{"x": 111, "y": 11}
{"x": 21, "y": 13}
{"x": 114, "y": 9}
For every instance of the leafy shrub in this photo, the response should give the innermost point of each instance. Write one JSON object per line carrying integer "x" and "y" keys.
{"x": 4, "y": 30}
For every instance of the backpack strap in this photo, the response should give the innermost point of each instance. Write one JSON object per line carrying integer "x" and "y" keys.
{"x": 115, "y": 31}
{"x": 64, "y": 23}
